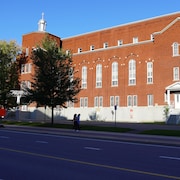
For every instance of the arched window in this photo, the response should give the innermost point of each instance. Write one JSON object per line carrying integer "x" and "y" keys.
{"x": 114, "y": 74}
{"x": 132, "y": 72}
{"x": 99, "y": 75}
{"x": 84, "y": 77}
{"x": 175, "y": 47}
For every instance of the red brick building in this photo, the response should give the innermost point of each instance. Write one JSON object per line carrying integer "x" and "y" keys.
{"x": 133, "y": 66}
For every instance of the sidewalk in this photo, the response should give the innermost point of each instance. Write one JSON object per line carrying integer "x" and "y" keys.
{"x": 131, "y": 137}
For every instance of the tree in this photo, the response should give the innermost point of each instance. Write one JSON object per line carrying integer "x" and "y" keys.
{"x": 9, "y": 72}
{"x": 54, "y": 82}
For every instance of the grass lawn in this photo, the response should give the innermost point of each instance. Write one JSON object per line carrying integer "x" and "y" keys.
{"x": 162, "y": 132}
{"x": 95, "y": 128}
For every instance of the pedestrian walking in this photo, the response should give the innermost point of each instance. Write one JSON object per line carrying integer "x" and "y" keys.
{"x": 75, "y": 122}
{"x": 78, "y": 122}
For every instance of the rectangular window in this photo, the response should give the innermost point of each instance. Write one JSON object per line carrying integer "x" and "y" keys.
{"x": 98, "y": 101}
{"x": 84, "y": 77}
{"x": 84, "y": 102}
{"x": 105, "y": 45}
{"x": 176, "y": 73}
{"x": 26, "y": 68}
{"x": 150, "y": 100}
{"x": 99, "y": 76}
{"x": 132, "y": 100}
{"x": 114, "y": 100}
{"x": 111, "y": 101}
{"x": 129, "y": 100}
{"x": 27, "y": 51}
{"x": 79, "y": 50}
{"x": 120, "y": 42}
{"x": 81, "y": 102}
{"x": 114, "y": 74}
{"x": 149, "y": 73}
{"x": 67, "y": 52}
{"x": 117, "y": 100}
{"x": 22, "y": 68}
{"x": 132, "y": 72}
{"x": 92, "y": 48}
{"x": 24, "y": 108}
{"x": 70, "y": 104}
{"x": 135, "y": 39}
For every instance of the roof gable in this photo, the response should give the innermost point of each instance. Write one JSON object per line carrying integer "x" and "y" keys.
{"x": 174, "y": 87}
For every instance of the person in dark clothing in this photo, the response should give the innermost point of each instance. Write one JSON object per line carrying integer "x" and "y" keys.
{"x": 78, "y": 122}
{"x": 75, "y": 122}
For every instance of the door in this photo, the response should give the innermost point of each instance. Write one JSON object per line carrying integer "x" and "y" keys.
{"x": 177, "y": 101}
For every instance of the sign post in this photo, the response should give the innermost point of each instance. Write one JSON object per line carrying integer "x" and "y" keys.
{"x": 115, "y": 109}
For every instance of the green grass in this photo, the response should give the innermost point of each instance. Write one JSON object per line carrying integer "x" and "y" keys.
{"x": 95, "y": 128}
{"x": 162, "y": 132}
{"x": 68, "y": 126}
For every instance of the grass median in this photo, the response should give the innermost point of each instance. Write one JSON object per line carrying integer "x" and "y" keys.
{"x": 94, "y": 128}
{"x": 69, "y": 126}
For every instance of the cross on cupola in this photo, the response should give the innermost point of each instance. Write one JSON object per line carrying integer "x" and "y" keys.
{"x": 42, "y": 24}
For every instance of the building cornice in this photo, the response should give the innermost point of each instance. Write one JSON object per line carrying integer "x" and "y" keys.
{"x": 167, "y": 27}
{"x": 126, "y": 24}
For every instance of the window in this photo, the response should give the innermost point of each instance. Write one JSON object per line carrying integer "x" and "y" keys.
{"x": 150, "y": 100}
{"x": 114, "y": 74}
{"x": 111, "y": 100}
{"x": 27, "y": 51}
{"x": 114, "y": 100}
{"x": 98, "y": 101}
{"x": 25, "y": 84}
{"x": 92, "y": 48}
{"x": 79, "y": 50}
{"x": 175, "y": 47}
{"x": 99, "y": 76}
{"x": 105, "y": 45}
{"x": 26, "y": 68}
{"x": 22, "y": 68}
{"x": 70, "y": 104}
{"x": 132, "y": 100}
{"x": 135, "y": 39}
{"x": 84, "y": 102}
{"x": 176, "y": 73}
{"x": 84, "y": 77}
{"x": 132, "y": 72}
{"x": 149, "y": 72}
{"x": 152, "y": 37}
{"x": 120, "y": 42}
{"x": 67, "y": 52}
{"x": 24, "y": 107}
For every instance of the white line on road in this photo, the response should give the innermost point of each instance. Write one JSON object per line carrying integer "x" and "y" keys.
{"x": 92, "y": 148}
{"x": 168, "y": 157}
{"x": 4, "y": 137}
{"x": 43, "y": 142}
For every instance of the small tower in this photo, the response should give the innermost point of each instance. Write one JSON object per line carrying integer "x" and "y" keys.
{"x": 42, "y": 24}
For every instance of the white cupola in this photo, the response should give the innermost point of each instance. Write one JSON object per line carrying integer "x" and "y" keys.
{"x": 42, "y": 24}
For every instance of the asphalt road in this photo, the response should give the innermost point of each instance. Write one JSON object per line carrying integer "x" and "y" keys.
{"x": 32, "y": 155}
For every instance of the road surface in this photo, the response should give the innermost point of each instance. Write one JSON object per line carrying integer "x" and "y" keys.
{"x": 32, "y": 155}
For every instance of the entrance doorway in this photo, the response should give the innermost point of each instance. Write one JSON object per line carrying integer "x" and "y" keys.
{"x": 177, "y": 101}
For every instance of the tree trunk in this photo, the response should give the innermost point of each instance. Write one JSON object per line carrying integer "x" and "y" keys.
{"x": 52, "y": 115}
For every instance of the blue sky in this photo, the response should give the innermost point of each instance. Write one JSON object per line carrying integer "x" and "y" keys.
{"x": 66, "y": 18}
